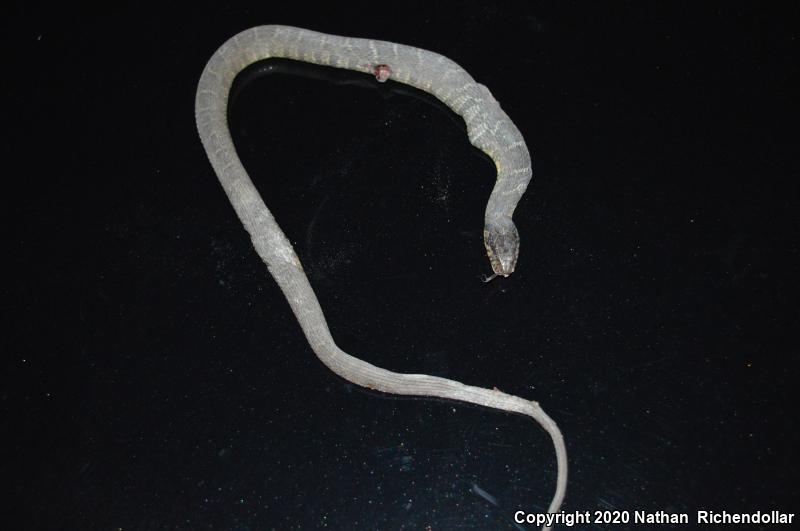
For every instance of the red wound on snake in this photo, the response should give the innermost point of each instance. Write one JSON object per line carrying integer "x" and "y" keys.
{"x": 382, "y": 72}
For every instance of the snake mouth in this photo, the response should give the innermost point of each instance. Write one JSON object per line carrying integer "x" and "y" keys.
{"x": 507, "y": 266}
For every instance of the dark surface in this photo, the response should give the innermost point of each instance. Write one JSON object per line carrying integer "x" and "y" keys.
{"x": 154, "y": 377}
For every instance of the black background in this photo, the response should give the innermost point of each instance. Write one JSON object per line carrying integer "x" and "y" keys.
{"x": 154, "y": 376}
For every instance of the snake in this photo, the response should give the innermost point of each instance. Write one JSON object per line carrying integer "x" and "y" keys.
{"x": 489, "y": 129}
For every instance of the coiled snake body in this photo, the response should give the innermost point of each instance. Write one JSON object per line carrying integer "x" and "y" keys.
{"x": 488, "y": 128}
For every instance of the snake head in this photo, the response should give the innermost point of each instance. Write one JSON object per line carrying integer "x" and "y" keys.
{"x": 501, "y": 239}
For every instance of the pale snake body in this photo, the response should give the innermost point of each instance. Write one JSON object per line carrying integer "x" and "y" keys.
{"x": 488, "y": 128}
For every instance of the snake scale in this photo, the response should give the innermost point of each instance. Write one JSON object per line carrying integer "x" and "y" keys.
{"x": 488, "y": 128}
